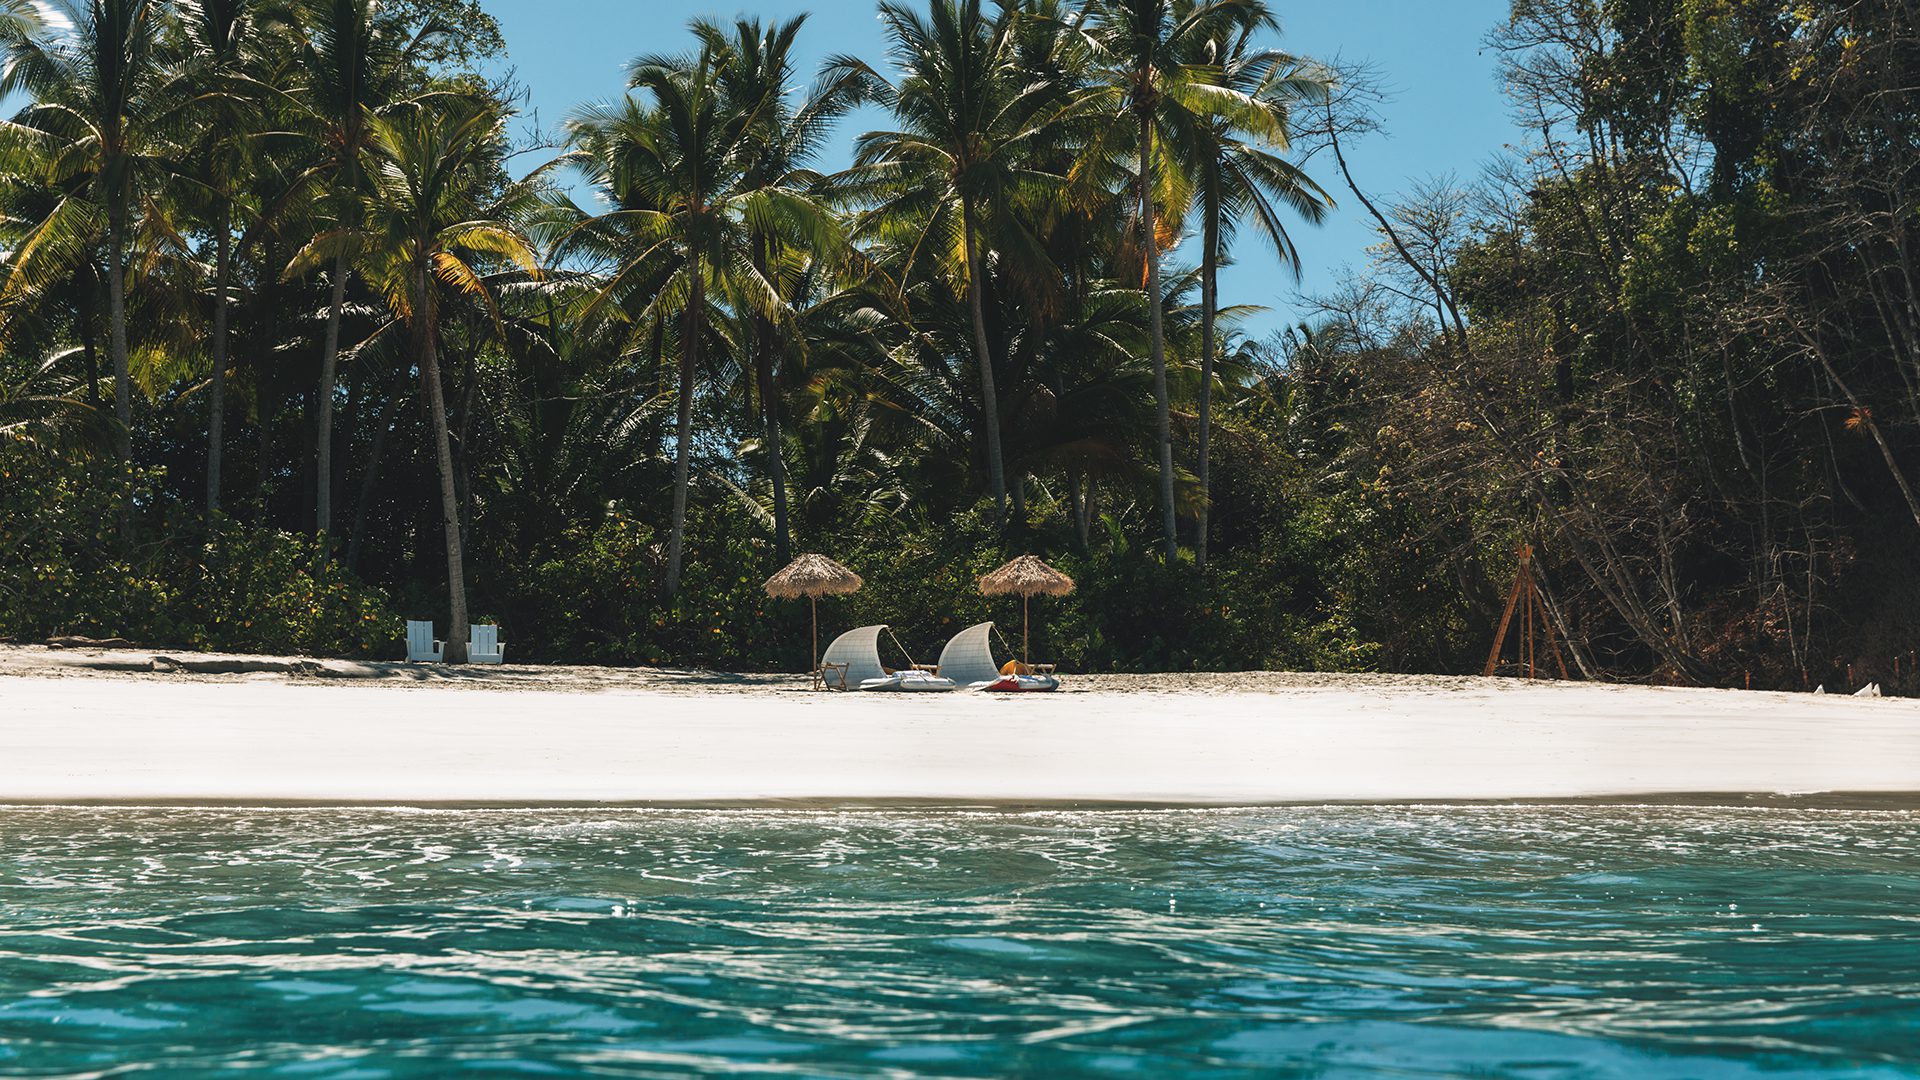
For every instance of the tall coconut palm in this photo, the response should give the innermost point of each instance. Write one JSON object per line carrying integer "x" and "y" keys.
{"x": 757, "y": 72}
{"x": 969, "y": 115}
{"x": 1233, "y": 148}
{"x": 360, "y": 65}
{"x": 221, "y": 37}
{"x": 422, "y": 229}
{"x": 95, "y": 112}
{"x": 676, "y": 159}
{"x": 1144, "y": 53}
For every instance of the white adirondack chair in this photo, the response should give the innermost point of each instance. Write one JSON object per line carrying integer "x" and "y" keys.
{"x": 484, "y": 645}
{"x": 422, "y": 647}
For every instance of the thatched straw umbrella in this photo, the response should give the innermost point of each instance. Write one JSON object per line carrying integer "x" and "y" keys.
{"x": 1029, "y": 577}
{"x": 813, "y": 576}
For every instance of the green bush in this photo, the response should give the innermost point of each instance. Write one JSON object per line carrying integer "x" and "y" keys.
{"x": 69, "y": 564}
{"x": 267, "y": 590}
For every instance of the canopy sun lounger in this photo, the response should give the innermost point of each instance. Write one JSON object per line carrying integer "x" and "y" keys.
{"x": 852, "y": 662}
{"x": 968, "y": 661}
{"x": 853, "y": 658}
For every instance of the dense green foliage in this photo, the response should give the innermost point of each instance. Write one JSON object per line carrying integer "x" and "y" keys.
{"x": 1673, "y": 346}
{"x": 63, "y": 570}
{"x": 292, "y": 348}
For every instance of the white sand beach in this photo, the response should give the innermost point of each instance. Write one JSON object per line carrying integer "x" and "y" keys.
{"x": 74, "y": 735}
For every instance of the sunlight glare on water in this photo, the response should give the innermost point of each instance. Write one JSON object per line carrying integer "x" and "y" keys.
{"x": 1537, "y": 942}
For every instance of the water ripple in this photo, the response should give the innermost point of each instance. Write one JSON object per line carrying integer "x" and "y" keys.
{"x": 1573, "y": 942}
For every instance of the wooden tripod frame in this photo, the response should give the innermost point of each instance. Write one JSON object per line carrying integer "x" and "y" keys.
{"x": 1526, "y": 596}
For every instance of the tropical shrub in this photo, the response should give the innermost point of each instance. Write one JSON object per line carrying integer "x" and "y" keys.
{"x": 66, "y": 568}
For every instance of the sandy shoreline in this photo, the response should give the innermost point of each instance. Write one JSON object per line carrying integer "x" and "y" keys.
{"x": 178, "y": 667}
{"x": 571, "y": 736}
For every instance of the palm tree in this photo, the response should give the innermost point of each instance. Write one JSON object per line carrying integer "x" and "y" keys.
{"x": 757, "y": 72}
{"x": 359, "y": 65}
{"x": 970, "y": 114}
{"x": 1234, "y": 148}
{"x": 581, "y": 435}
{"x": 218, "y": 75}
{"x": 1143, "y": 51}
{"x": 95, "y": 87}
{"x": 677, "y": 160}
{"x": 422, "y": 229}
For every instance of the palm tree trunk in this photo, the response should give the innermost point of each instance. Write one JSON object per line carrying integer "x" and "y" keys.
{"x": 464, "y": 474}
{"x": 683, "y": 432}
{"x": 267, "y": 408}
{"x": 1149, "y": 245}
{"x": 1082, "y": 503}
{"x": 117, "y": 344}
{"x": 266, "y": 380}
{"x": 989, "y": 399}
{"x": 308, "y": 422}
{"x": 383, "y": 426}
{"x": 349, "y": 422}
{"x": 1209, "y": 302}
{"x": 323, "y": 424}
{"x": 763, "y": 357}
{"x": 456, "y": 646}
{"x": 776, "y": 461}
{"x": 89, "y": 332}
{"x": 217, "y": 394}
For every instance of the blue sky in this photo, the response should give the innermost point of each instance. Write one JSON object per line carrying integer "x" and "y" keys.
{"x": 1446, "y": 116}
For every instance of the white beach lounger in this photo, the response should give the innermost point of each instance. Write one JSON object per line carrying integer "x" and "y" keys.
{"x": 917, "y": 679}
{"x": 853, "y": 658}
{"x": 484, "y": 645}
{"x": 422, "y": 648}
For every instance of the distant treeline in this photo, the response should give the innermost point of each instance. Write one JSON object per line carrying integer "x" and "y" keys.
{"x": 295, "y": 345}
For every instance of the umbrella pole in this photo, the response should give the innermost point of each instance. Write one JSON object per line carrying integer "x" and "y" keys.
{"x": 815, "y": 602}
{"x": 1026, "y": 633}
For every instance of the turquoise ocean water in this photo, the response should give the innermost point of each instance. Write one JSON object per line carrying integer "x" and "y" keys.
{"x": 1526, "y": 942}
